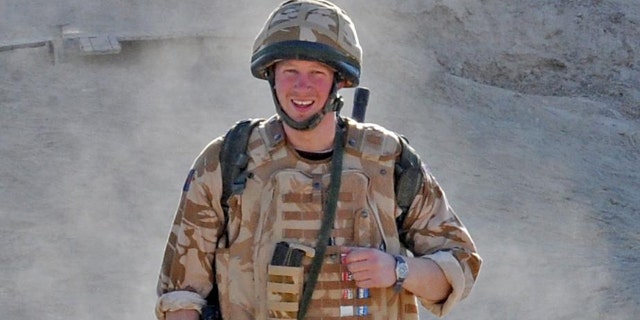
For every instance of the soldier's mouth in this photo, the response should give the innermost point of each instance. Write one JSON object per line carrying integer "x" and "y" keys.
{"x": 302, "y": 104}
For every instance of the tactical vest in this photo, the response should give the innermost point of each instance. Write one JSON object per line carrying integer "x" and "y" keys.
{"x": 283, "y": 201}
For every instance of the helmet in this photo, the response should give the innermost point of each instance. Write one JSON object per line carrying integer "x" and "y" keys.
{"x": 309, "y": 30}
{"x": 313, "y": 30}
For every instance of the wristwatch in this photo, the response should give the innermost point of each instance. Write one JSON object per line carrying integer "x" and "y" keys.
{"x": 402, "y": 271}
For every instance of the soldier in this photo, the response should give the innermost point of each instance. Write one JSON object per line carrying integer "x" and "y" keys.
{"x": 317, "y": 231}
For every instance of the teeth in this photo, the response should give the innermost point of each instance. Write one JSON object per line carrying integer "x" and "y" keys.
{"x": 303, "y": 102}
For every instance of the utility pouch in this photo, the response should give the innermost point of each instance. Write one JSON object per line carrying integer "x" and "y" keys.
{"x": 284, "y": 289}
{"x": 285, "y": 280}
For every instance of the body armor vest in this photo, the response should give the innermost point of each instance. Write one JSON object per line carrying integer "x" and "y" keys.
{"x": 283, "y": 202}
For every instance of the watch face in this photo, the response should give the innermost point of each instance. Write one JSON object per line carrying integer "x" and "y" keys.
{"x": 402, "y": 270}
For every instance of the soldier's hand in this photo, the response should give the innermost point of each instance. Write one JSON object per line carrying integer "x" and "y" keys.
{"x": 370, "y": 268}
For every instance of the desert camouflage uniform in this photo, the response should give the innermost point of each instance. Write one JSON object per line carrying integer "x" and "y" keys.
{"x": 283, "y": 201}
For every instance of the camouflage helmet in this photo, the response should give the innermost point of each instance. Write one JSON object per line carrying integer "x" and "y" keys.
{"x": 309, "y": 30}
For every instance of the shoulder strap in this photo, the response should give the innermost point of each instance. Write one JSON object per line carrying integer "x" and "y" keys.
{"x": 408, "y": 179}
{"x": 233, "y": 162}
{"x": 328, "y": 219}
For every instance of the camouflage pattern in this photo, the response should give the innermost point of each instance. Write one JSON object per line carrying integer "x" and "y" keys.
{"x": 283, "y": 201}
{"x": 315, "y": 22}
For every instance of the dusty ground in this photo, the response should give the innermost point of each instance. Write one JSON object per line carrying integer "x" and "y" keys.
{"x": 527, "y": 112}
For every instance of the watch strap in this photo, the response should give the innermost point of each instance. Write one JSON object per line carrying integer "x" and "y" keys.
{"x": 401, "y": 270}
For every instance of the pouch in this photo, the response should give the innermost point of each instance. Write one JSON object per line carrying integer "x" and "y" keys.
{"x": 284, "y": 291}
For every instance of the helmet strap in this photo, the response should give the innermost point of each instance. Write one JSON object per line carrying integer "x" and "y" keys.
{"x": 334, "y": 103}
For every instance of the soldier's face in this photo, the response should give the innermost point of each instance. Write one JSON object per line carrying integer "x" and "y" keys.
{"x": 302, "y": 87}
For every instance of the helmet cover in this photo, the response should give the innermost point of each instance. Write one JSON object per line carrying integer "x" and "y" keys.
{"x": 309, "y": 30}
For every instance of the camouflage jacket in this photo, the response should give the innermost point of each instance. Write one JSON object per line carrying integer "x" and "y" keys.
{"x": 283, "y": 202}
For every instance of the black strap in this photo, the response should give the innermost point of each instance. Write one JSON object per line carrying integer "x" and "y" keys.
{"x": 408, "y": 178}
{"x": 331, "y": 205}
{"x": 233, "y": 165}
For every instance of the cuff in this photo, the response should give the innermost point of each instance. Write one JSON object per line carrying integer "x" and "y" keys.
{"x": 178, "y": 300}
{"x": 454, "y": 274}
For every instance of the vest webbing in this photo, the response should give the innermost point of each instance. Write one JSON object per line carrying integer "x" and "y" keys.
{"x": 408, "y": 176}
{"x": 327, "y": 219}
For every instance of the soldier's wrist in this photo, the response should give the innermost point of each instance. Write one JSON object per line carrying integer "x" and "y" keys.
{"x": 401, "y": 271}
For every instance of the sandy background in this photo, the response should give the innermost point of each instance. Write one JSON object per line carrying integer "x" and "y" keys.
{"x": 527, "y": 112}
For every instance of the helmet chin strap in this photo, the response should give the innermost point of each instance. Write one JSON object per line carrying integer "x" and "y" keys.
{"x": 334, "y": 103}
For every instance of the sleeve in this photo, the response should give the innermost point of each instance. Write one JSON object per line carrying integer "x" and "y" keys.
{"x": 186, "y": 275}
{"x": 432, "y": 230}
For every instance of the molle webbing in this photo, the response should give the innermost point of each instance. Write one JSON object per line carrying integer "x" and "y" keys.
{"x": 408, "y": 173}
{"x": 328, "y": 218}
{"x": 341, "y": 298}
